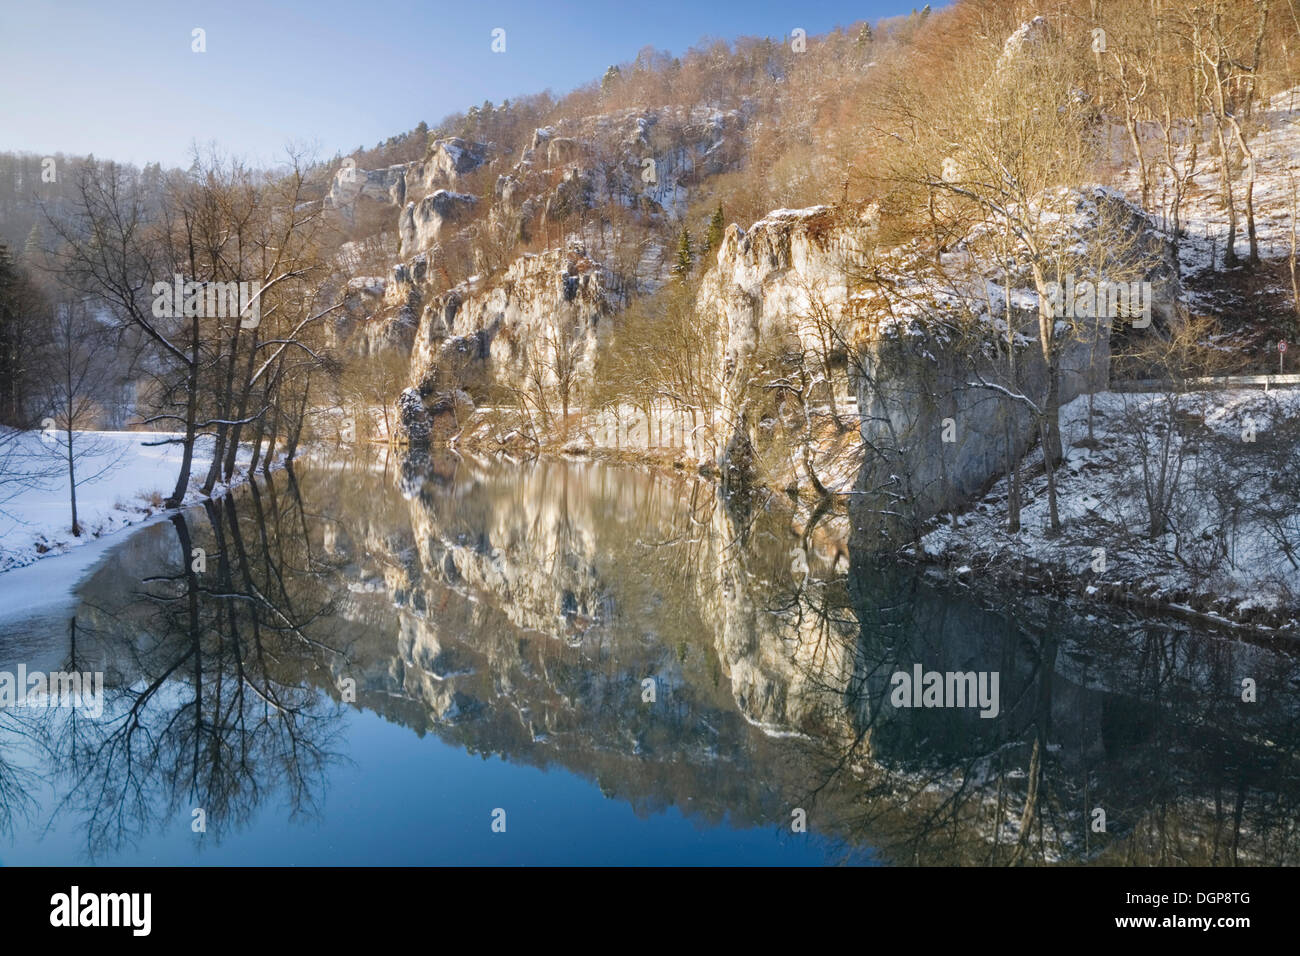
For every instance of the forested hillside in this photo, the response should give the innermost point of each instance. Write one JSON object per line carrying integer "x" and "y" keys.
{"x": 872, "y": 268}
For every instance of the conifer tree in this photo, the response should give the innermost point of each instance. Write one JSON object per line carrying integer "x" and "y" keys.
{"x": 685, "y": 255}
{"x": 717, "y": 226}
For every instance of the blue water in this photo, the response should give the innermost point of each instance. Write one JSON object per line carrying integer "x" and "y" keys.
{"x": 403, "y": 800}
{"x": 497, "y": 623}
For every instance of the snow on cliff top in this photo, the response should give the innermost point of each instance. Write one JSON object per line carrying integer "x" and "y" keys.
{"x": 788, "y": 215}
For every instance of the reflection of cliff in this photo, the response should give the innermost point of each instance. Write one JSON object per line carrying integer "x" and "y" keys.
{"x": 542, "y": 597}
{"x": 1143, "y": 722}
{"x": 528, "y": 613}
{"x": 517, "y": 610}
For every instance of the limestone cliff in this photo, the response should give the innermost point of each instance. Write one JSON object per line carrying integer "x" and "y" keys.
{"x": 542, "y": 317}
{"x": 889, "y": 344}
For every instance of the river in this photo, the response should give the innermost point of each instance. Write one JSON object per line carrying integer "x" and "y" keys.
{"x": 439, "y": 660}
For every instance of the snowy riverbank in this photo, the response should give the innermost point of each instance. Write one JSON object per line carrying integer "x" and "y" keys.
{"x": 1226, "y": 472}
{"x": 126, "y": 482}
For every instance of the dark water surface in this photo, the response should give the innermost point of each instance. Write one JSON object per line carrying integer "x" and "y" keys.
{"x": 377, "y": 661}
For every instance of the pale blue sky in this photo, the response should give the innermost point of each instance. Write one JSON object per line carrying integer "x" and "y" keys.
{"x": 117, "y": 78}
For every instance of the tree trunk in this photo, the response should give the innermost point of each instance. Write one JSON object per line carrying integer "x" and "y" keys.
{"x": 1049, "y": 468}
{"x": 1251, "y": 235}
{"x": 191, "y": 417}
{"x": 291, "y": 449}
{"x": 72, "y": 480}
{"x": 271, "y": 436}
{"x": 233, "y": 449}
{"x": 1013, "y": 473}
{"x": 1225, "y": 190}
{"x": 1295, "y": 285}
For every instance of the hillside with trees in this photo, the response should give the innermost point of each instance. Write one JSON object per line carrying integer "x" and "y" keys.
{"x": 828, "y": 265}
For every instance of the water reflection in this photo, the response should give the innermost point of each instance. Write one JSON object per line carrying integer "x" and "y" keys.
{"x": 520, "y": 610}
{"x": 204, "y": 628}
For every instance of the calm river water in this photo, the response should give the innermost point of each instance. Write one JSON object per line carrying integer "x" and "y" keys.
{"x": 444, "y": 660}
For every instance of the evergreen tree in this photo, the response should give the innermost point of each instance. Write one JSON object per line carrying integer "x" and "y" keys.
{"x": 685, "y": 255}
{"x": 717, "y": 226}
{"x": 471, "y": 124}
{"x": 16, "y": 308}
{"x": 8, "y": 272}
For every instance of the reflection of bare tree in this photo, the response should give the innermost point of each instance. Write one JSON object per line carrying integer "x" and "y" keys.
{"x": 516, "y": 611}
{"x": 16, "y": 780}
{"x": 1120, "y": 720}
{"x": 213, "y": 706}
{"x": 774, "y": 680}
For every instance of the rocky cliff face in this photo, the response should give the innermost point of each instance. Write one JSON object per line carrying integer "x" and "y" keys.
{"x": 449, "y": 161}
{"x": 919, "y": 370}
{"x": 905, "y": 381}
{"x": 903, "y": 387}
{"x": 776, "y": 290}
{"x": 542, "y": 318}
{"x": 352, "y": 187}
{"x": 445, "y": 166}
{"x": 537, "y": 319}
{"x": 646, "y": 160}
{"x": 423, "y": 223}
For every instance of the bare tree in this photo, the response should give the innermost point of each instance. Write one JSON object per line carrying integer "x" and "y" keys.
{"x": 1227, "y": 40}
{"x": 76, "y": 376}
{"x": 114, "y": 247}
{"x": 216, "y": 226}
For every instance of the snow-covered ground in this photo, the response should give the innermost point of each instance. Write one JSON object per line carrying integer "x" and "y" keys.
{"x": 127, "y": 481}
{"x": 1232, "y": 548}
{"x": 1276, "y": 145}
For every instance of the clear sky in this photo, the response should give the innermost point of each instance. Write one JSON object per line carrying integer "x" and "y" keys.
{"x": 119, "y": 78}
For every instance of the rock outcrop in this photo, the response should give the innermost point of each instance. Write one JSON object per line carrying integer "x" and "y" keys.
{"x": 463, "y": 190}
{"x": 541, "y": 317}
{"x": 450, "y": 161}
{"x": 352, "y": 186}
{"x": 918, "y": 365}
{"x": 422, "y": 224}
